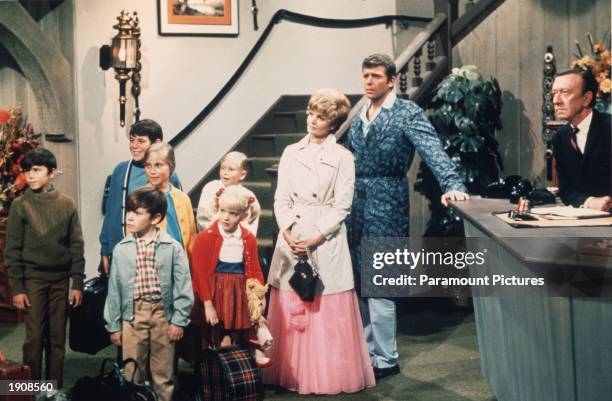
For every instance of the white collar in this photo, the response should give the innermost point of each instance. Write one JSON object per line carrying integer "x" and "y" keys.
{"x": 387, "y": 104}
{"x": 389, "y": 100}
{"x": 329, "y": 140}
{"x": 236, "y": 234}
{"x": 585, "y": 124}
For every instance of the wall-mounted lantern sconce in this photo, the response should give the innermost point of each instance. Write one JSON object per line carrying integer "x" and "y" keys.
{"x": 124, "y": 57}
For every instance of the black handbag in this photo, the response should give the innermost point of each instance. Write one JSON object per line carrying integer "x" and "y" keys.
{"x": 112, "y": 385}
{"x": 304, "y": 279}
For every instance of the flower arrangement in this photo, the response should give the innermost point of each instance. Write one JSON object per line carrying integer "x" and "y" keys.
{"x": 16, "y": 138}
{"x": 598, "y": 62}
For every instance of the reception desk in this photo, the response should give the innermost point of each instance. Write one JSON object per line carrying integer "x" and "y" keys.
{"x": 533, "y": 346}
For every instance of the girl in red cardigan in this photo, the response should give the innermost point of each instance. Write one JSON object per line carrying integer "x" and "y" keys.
{"x": 224, "y": 256}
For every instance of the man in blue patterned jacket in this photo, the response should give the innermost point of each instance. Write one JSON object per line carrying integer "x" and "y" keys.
{"x": 383, "y": 138}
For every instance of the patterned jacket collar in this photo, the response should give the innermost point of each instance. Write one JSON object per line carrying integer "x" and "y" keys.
{"x": 378, "y": 128}
{"x": 387, "y": 104}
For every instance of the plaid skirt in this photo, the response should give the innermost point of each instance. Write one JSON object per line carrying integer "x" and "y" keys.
{"x": 228, "y": 293}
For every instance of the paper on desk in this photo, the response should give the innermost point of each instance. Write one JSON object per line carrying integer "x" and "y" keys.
{"x": 569, "y": 212}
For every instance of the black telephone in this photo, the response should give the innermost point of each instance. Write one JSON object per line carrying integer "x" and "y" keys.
{"x": 514, "y": 187}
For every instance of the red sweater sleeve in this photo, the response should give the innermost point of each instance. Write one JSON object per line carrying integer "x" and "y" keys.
{"x": 256, "y": 267}
{"x": 200, "y": 260}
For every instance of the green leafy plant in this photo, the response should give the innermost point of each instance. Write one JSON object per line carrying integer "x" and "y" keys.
{"x": 466, "y": 113}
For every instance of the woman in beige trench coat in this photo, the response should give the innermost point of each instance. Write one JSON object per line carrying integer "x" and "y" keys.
{"x": 319, "y": 346}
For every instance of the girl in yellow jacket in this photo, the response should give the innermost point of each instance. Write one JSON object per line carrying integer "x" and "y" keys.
{"x": 179, "y": 221}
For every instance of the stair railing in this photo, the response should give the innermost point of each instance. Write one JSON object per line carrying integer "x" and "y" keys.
{"x": 284, "y": 15}
{"x": 435, "y": 37}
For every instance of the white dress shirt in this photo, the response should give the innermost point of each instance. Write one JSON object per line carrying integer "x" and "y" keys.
{"x": 583, "y": 131}
{"x": 232, "y": 248}
{"x": 387, "y": 104}
{"x": 581, "y": 139}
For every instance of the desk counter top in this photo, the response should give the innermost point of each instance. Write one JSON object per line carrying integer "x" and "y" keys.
{"x": 549, "y": 246}
{"x": 479, "y": 211}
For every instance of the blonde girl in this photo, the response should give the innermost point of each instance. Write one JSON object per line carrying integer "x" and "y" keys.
{"x": 179, "y": 221}
{"x": 224, "y": 257}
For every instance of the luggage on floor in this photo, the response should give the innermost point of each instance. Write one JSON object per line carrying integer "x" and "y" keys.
{"x": 14, "y": 371}
{"x": 111, "y": 385}
{"x": 230, "y": 373}
{"x": 87, "y": 332}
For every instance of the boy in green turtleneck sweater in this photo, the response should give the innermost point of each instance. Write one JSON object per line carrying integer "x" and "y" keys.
{"x": 44, "y": 248}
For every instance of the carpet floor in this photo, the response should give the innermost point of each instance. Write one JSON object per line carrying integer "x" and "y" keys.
{"x": 439, "y": 358}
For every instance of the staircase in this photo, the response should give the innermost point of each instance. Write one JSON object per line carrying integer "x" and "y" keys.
{"x": 283, "y": 123}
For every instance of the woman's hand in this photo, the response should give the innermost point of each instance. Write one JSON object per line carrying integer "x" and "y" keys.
{"x": 298, "y": 248}
{"x": 313, "y": 242}
{"x": 210, "y": 313}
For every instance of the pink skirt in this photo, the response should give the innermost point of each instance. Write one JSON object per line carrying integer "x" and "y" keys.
{"x": 319, "y": 347}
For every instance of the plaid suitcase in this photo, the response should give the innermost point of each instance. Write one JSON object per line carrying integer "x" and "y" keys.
{"x": 15, "y": 371}
{"x": 230, "y": 373}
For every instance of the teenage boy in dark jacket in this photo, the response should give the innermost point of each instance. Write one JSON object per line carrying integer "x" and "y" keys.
{"x": 127, "y": 176}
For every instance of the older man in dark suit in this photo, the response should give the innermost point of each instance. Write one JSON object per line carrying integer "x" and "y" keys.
{"x": 582, "y": 148}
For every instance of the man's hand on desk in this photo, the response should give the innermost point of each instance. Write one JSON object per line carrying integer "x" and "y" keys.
{"x": 454, "y": 196}
{"x": 603, "y": 203}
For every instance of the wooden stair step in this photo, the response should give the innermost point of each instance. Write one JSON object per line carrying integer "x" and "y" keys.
{"x": 266, "y": 250}
{"x": 289, "y": 121}
{"x": 259, "y": 166}
{"x": 263, "y": 192}
{"x": 268, "y": 145}
{"x": 267, "y": 225}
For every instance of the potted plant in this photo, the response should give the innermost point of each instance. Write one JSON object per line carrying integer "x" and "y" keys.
{"x": 466, "y": 112}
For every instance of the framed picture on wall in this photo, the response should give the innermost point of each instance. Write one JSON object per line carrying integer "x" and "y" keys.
{"x": 197, "y": 17}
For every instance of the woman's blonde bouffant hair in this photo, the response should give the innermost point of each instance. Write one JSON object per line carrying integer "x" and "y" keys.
{"x": 238, "y": 197}
{"x": 332, "y": 104}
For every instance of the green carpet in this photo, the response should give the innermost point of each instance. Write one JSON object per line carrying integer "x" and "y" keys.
{"x": 438, "y": 356}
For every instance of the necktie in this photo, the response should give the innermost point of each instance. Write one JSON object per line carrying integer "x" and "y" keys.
{"x": 573, "y": 138}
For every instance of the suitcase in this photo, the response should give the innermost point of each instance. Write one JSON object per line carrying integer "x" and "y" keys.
{"x": 15, "y": 371}
{"x": 87, "y": 331}
{"x": 230, "y": 373}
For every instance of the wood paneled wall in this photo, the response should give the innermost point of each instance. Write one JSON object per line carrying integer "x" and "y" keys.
{"x": 510, "y": 46}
